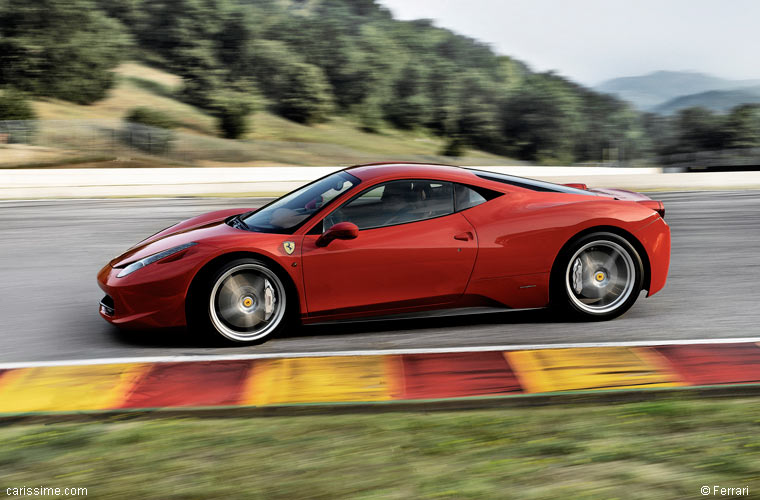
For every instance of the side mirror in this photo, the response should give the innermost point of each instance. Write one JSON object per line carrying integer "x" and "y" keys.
{"x": 340, "y": 231}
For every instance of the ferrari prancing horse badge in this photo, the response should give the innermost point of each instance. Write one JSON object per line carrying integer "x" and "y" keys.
{"x": 289, "y": 246}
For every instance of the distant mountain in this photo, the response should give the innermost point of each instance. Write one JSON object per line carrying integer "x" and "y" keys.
{"x": 716, "y": 100}
{"x": 649, "y": 92}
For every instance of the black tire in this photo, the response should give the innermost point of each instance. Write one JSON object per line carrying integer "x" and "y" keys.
{"x": 244, "y": 301}
{"x": 597, "y": 277}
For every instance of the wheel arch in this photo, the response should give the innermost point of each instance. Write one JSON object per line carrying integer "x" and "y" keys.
{"x": 629, "y": 237}
{"x": 203, "y": 274}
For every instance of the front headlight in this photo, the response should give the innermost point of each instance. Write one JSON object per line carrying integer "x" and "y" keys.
{"x": 139, "y": 264}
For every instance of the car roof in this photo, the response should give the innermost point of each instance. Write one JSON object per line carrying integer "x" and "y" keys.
{"x": 491, "y": 180}
{"x": 374, "y": 171}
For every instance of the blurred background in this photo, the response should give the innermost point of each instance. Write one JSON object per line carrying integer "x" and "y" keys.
{"x": 333, "y": 82}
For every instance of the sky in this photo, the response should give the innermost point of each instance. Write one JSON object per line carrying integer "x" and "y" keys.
{"x": 591, "y": 41}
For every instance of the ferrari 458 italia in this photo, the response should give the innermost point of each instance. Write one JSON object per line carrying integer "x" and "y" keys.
{"x": 395, "y": 239}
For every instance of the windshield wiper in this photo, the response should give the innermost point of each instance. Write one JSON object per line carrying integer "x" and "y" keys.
{"x": 238, "y": 223}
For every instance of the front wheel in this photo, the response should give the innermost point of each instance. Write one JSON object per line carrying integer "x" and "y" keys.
{"x": 598, "y": 277}
{"x": 245, "y": 301}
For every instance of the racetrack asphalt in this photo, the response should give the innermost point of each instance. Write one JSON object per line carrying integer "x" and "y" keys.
{"x": 51, "y": 250}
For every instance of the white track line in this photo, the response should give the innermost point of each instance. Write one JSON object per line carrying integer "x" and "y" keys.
{"x": 378, "y": 352}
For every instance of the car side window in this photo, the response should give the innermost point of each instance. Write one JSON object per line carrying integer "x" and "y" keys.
{"x": 396, "y": 202}
{"x": 466, "y": 197}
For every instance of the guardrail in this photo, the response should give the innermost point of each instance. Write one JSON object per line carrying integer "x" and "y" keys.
{"x": 725, "y": 160}
{"x": 106, "y": 182}
{"x": 273, "y": 181}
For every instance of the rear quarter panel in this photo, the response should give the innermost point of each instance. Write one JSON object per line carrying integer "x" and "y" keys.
{"x": 655, "y": 237}
{"x": 521, "y": 233}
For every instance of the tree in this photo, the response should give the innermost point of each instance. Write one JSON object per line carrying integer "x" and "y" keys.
{"x": 454, "y": 147}
{"x": 659, "y": 134}
{"x": 310, "y": 58}
{"x": 409, "y": 106}
{"x": 743, "y": 126}
{"x": 270, "y": 63}
{"x": 181, "y": 29}
{"x": 540, "y": 121}
{"x": 201, "y": 78}
{"x": 608, "y": 125}
{"x": 16, "y": 116}
{"x": 370, "y": 114}
{"x": 15, "y": 106}
{"x": 476, "y": 115}
{"x": 197, "y": 39}
{"x": 232, "y": 109}
{"x": 443, "y": 87}
{"x": 128, "y": 12}
{"x": 305, "y": 95}
{"x": 698, "y": 129}
{"x": 149, "y": 117}
{"x": 298, "y": 91}
{"x": 59, "y": 48}
{"x": 233, "y": 43}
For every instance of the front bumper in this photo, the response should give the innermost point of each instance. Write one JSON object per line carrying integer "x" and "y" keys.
{"x": 148, "y": 298}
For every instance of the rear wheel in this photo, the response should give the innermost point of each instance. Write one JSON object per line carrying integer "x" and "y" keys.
{"x": 245, "y": 301}
{"x": 598, "y": 277}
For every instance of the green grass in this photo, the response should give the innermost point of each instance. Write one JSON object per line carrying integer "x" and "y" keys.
{"x": 663, "y": 449}
{"x": 272, "y": 140}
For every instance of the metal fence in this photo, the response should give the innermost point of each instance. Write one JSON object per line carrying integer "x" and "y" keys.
{"x": 117, "y": 138}
{"x": 720, "y": 160}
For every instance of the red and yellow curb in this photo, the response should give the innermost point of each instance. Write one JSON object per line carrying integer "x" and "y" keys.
{"x": 372, "y": 378}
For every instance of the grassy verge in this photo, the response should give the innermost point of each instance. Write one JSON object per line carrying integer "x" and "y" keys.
{"x": 664, "y": 449}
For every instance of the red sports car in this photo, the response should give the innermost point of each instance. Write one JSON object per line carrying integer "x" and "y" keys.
{"x": 394, "y": 239}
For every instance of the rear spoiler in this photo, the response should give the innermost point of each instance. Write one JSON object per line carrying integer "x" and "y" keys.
{"x": 657, "y": 206}
{"x": 577, "y": 185}
{"x": 621, "y": 194}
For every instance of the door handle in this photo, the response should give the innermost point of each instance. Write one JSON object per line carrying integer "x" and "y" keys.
{"x": 466, "y": 236}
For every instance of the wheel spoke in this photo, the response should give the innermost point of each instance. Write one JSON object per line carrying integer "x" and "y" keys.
{"x": 234, "y": 283}
{"x": 253, "y": 318}
{"x": 588, "y": 263}
{"x": 590, "y": 290}
{"x": 258, "y": 283}
{"x": 617, "y": 285}
{"x": 231, "y": 312}
{"x": 610, "y": 261}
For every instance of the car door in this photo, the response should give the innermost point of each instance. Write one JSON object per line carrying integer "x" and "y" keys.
{"x": 412, "y": 251}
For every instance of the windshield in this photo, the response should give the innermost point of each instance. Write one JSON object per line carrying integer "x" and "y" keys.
{"x": 290, "y": 211}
